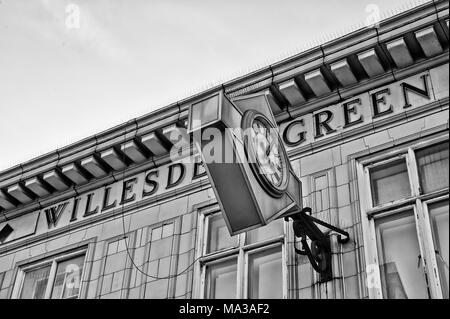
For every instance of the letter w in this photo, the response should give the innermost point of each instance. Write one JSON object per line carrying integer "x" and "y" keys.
{"x": 54, "y": 213}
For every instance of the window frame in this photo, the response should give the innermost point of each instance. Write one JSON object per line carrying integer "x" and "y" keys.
{"x": 246, "y": 267}
{"x": 418, "y": 202}
{"x": 53, "y": 262}
{"x": 240, "y": 252}
{"x": 367, "y": 169}
{"x": 429, "y": 237}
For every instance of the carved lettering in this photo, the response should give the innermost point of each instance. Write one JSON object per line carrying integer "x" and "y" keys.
{"x": 152, "y": 183}
{"x": 199, "y": 170}
{"x": 301, "y": 135}
{"x": 377, "y": 100}
{"x": 350, "y": 108}
{"x": 323, "y": 123}
{"x": 409, "y": 88}
{"x": 171, "y": 181}
{"x": 73, "y": 216}
{"x": 106, "y": 204}
{"x": 127, "y": 190}
{"x": 89, "y": 211}
{"x": 53, "y": 214}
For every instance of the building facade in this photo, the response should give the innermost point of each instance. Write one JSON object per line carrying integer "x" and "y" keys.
{"x": 365, "y": 122}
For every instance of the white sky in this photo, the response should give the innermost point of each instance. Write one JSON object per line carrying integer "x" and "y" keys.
{"x": 129, "y": 57}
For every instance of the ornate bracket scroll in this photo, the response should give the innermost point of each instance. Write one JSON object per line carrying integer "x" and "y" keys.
{"x": 319, "y": 252}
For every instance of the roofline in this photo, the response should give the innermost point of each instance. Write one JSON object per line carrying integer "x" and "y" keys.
{"x": 180, "y": 107}
{"x": 357, "y": 41}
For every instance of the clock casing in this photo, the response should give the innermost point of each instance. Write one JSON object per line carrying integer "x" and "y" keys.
{"x": 248, "y": 196}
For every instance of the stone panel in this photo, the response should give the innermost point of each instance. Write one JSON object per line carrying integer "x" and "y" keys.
{"x": 156, "y": 289}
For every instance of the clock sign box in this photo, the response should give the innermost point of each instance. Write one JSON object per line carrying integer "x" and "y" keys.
{"x": 249, "y": 196}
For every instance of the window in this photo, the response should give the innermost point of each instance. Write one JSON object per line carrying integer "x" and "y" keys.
{"x": 439, "y": 222}
{"x": 218, "y": 236}
{"x": 249, "y": 265}
{"x": 56, "y": 278}
{"x": 433, "y": 167}
{"x": 221, "y": 279}
{"x": 398, "y": 251}
{"x": 389, "y": 182}
{"x": 405, "y": 205}
{"x": 68, "y": 277}
{"x": 265, "y": 280}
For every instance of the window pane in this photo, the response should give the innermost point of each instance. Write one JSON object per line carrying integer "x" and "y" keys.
{"x": 265, "y": 274}
{"x": 389, "y": 182}
{"x": 68, "y": 278}
{"x": 35, "y": 283}
{"x": 439, "y": 224}
{"x": 398, "y": 253}
{"x": 433, "y": 167}
{"x": 273, "y": 229}
{"x": 218, "y": 236}
{"x": 221, "y": 280}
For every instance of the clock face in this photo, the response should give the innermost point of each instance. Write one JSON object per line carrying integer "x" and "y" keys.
{"x": 265, "y": 152}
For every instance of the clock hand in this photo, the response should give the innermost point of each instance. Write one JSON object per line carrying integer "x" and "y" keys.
{"x": 268, "y": 150}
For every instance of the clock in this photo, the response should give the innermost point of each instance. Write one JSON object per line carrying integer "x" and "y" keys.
{"x": 265, "y": 152}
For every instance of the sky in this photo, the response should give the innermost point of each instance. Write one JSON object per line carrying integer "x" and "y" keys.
{"x": 71, "y": 69}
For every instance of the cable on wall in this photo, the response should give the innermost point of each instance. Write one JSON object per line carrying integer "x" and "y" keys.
{"x": 127, "y": 248}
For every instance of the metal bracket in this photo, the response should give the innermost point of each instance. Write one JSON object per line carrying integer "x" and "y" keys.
{"x": 319, "y": 252}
